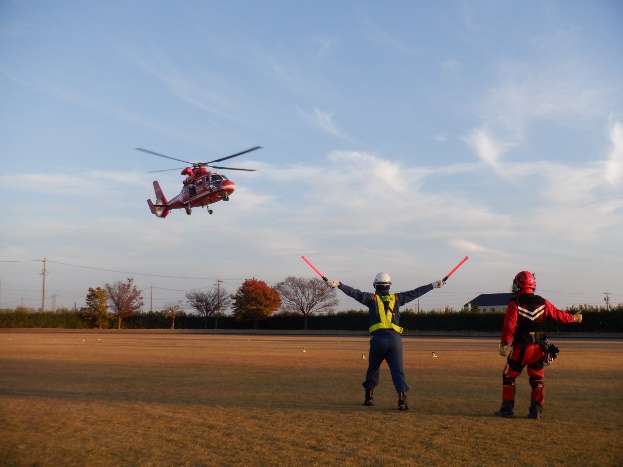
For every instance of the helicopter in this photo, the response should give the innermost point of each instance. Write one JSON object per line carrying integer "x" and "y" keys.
{"x": 201, "y": 187}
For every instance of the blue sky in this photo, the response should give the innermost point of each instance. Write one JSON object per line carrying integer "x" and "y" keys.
{"x": 397, "y": 136}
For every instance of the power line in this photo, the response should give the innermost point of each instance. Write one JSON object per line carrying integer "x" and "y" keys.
{"x": 139, "y": 273}
{"x": 21, "y": 261}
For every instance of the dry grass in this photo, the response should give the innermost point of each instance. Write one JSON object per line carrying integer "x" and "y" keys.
{"x": 120, "y": 398}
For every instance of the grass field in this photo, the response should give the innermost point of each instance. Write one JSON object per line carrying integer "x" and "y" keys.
{"x": 123, "y": 398}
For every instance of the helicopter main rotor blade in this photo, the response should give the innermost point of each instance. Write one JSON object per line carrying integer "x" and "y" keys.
{"x": 231, "y": 168}
{"x": 235, "y": 155}
{"x": 163, "y": 170}
{"x": 162, "y": 155}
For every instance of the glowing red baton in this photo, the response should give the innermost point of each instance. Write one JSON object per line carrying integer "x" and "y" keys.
{"x": 312, "y": 266}
{"x": 455, "y": 268}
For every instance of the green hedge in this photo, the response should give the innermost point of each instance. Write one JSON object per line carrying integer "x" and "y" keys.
{"x": 38, "y": 319}
{"x": 595, "y": 320}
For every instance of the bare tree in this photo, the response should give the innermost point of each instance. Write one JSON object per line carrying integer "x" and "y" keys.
{"x": 306, "y": 296}
{"x": 125, "y": 299}
{"x": 211, "y": 303}
{"x": 171, "y": 310}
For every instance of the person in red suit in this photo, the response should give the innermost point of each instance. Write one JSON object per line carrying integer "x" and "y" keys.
{"x": 523, "y": 332}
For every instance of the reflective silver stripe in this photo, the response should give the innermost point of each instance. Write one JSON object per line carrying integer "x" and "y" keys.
{"x": 531, "y": 315}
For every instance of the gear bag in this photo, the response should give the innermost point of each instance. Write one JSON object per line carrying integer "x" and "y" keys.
{"x": 551, "y": 352}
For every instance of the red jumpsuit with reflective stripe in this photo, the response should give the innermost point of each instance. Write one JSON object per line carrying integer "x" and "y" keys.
{"x": 523, "y": 324}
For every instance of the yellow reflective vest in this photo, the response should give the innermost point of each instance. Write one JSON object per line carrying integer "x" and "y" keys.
{"x": 385, "y": 311}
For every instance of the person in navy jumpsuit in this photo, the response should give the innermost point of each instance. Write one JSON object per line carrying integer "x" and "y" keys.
{"x": 385, "y": 340}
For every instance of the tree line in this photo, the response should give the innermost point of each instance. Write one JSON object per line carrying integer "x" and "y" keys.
{"x": 293, "y": 304}
{"x": 254, "y": 301}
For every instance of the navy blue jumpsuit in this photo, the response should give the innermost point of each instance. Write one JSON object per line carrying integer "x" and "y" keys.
{"x": 385, "y": 344}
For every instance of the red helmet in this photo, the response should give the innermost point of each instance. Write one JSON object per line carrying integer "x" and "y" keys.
{"x": 524, "y": 280}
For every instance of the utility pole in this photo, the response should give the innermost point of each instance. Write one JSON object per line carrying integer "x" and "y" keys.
{"x": 151, "y": 292}
{"x": 44, "y": 273}
{"x": 607, "y": 300}
{"x": 218, "y": 302}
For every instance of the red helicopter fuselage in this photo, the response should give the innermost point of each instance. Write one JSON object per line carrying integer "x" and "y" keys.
{"x": 201, "y": 189}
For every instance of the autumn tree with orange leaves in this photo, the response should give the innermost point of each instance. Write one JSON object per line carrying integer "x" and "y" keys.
{"x": 255, "y": 300}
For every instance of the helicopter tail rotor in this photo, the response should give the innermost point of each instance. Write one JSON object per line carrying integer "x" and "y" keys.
{"x": 159, "y": 209}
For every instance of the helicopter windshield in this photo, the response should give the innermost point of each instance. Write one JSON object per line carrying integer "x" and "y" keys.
{"x": 218, "y": 177}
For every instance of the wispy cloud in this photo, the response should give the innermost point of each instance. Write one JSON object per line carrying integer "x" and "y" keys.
{"x": 468, "y": 246}
{"x": 198, "y": 88}
{"x": 72, "y": 96}
{"x": 558, "y": 91}
{"x": 483, "y": 144}
{"x": 88, "y": 184}
{"x": 325, "y": 122}
{"x": 614, "y": 165}
{"x": 380, "y": 36}
{"x": 324, "y": 45}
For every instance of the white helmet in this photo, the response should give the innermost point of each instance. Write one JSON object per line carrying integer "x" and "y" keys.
{"x": 382, "y": 278}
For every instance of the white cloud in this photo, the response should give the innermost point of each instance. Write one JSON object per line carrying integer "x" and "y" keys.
{"x": 468, "y": 246}
{"x": 484, "y": 145}
{"x": 559, "y": 92}
{"x": 570, "y": 201}
{"x": 614, "y": 164}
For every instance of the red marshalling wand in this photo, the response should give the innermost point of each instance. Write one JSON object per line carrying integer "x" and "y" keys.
{"x": 325, "y": 279}
{"x": 312, "y": 266}
{"x": 455, "y": 268}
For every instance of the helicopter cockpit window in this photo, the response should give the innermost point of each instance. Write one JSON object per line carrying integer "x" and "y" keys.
{"x": 218, "y": 178}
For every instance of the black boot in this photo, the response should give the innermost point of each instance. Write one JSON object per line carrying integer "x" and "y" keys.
{"x": 402, "y": 401}
{"x": 536, "y": 411}
{"x": 506, "y": 409}
{"x": 369, "y": 397}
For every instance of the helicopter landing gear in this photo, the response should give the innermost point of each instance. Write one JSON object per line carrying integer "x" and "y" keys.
{"x": 226, "y": 197}
{"x": 188, "y": 209}
{"x": 210, "y": 211}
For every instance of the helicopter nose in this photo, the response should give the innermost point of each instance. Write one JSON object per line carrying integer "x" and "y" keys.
{"x": 228, "y": 186}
